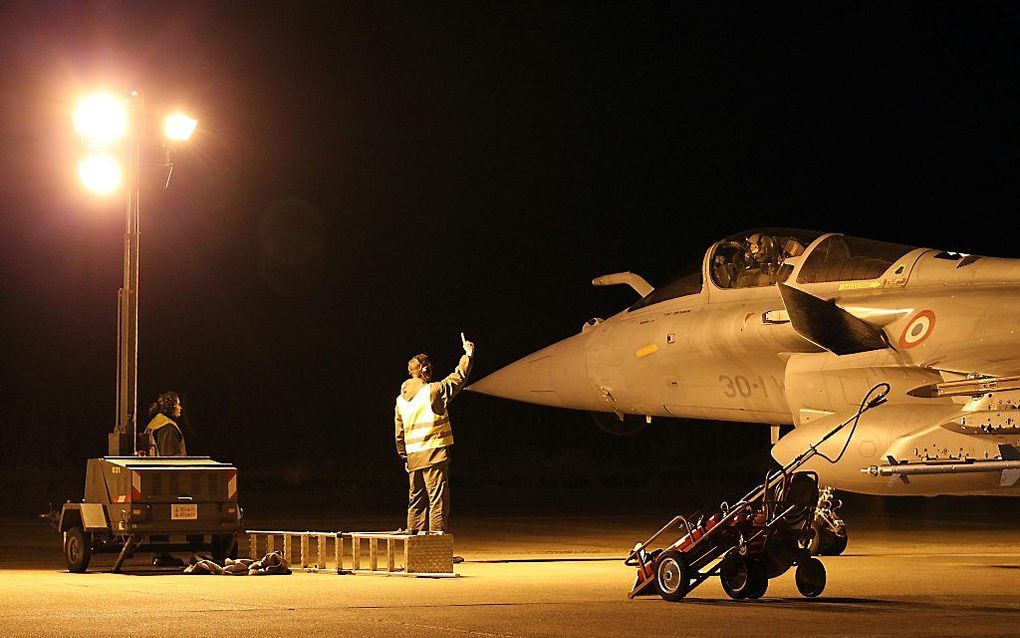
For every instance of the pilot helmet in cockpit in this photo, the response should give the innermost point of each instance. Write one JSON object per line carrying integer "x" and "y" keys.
{"x": 760, "y": 247}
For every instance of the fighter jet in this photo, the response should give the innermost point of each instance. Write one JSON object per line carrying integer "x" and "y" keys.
{"x": 785, "y": 326}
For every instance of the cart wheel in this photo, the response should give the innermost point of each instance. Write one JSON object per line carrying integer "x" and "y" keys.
{"x": 810, "y": 577}
{"x": 742, "y": 577}
{"x": 672, "y": 576}
{"x": 814, "y": 546}
{"x": 77, "y": 550}
{"x": 759, "y": 582}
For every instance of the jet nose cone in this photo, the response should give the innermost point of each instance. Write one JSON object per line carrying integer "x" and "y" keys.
{"x": 554, "y": 376}
{"x": 524, "y": 380}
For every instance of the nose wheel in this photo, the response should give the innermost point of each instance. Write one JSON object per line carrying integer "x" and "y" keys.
{"x": 830, "y": 537}
{"x": 827, "y": 542}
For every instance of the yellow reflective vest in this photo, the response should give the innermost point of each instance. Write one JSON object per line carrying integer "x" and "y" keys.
{"x": 157, "y": 423}
{"x": 423, "y": 431}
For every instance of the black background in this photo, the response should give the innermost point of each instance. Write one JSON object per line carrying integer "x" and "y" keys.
{"x": 368, "y": 180}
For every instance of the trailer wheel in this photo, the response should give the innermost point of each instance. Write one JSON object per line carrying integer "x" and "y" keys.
{"x": 77, "y": 550}
{"x": 742, "y": 577}
{"x": 672, "y": 576}
{"x": 810, "y": 577}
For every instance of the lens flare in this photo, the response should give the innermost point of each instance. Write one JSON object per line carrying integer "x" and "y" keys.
{"x": 101, "y": 174}
{"x": 101, "y": 119}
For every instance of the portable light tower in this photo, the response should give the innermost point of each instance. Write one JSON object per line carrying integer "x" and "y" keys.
{"x": 112, "y": 127}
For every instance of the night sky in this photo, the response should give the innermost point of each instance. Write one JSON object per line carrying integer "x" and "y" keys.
{"x": 370, "y": 179}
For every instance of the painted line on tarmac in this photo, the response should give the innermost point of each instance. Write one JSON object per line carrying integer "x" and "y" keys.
{"x": 545, "y": 560}
{"x": 527, "y": 603}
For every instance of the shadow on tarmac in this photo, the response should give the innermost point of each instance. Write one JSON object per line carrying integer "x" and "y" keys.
{"x": 844, "y": 604}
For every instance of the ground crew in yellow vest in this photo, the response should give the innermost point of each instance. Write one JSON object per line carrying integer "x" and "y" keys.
{"x": 424, "y": 437}
{"x": 165, "y": 436}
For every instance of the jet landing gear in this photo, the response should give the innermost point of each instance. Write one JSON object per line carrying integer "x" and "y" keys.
{"x": 830, "y": 529}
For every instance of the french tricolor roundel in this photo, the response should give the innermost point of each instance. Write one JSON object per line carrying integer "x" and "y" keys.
{"x": 918, "y": 329}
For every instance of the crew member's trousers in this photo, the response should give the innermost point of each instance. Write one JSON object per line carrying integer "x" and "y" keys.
{"x": 428, "y": 504}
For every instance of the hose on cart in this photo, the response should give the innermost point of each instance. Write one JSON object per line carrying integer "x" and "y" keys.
{"x": 880, "y": 392}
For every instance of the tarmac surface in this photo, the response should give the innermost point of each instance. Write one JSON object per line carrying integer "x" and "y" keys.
{"x": 924, "y": 574}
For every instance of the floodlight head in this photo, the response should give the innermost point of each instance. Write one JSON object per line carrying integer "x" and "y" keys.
{"x": 179, "y": 127}
{"x": 100, "y": 173}
{"x": 101, "y": 119}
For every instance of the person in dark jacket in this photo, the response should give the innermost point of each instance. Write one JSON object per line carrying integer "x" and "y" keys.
{"x": 165, "y": 435}
{"x": 166, "y": 439}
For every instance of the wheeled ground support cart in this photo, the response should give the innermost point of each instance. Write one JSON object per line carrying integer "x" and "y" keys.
{"x": 758, "y": 538}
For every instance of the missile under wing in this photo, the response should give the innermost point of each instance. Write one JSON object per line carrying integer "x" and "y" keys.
{"x": 784, "y": 326}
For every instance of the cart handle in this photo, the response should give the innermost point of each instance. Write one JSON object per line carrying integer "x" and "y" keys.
{"x": 636, "y": 552}
{"x": 875, "y": 397}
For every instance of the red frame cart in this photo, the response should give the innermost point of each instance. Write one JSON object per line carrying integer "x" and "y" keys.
{"x": 760, "y": 537}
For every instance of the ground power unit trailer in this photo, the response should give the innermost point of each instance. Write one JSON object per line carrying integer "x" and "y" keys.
{"x": 136, "y": 504}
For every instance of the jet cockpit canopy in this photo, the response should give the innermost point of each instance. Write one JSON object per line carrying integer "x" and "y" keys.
{"x": 755, "y": 258}
{"x": 845, "y": 258}
{"x": 767, "y": 256}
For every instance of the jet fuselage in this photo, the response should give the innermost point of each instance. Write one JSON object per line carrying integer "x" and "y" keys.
{"x": 800, "y": 340}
